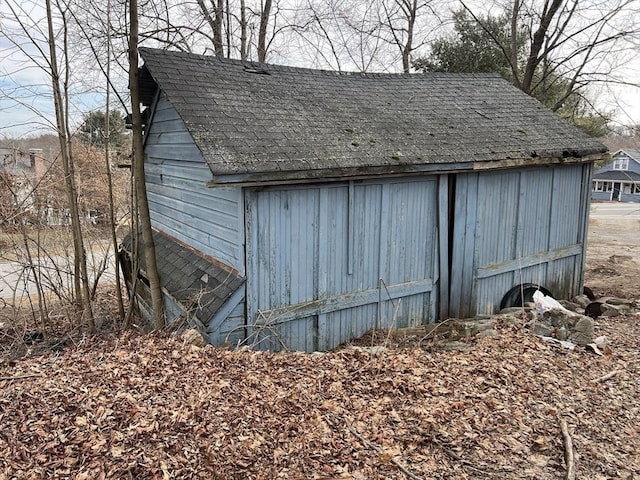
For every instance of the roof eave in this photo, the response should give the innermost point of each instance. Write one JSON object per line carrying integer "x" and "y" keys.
{"x": 537, "y": 161}
{"x": 333, "y": 174}
{"x": 362, "y": 173}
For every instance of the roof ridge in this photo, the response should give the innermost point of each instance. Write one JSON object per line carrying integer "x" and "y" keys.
{"x": 267, "y": 67}
{"x": 634, "y": 153}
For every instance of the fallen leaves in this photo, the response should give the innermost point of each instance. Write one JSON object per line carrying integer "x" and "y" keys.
{"x": 153, "y": 407}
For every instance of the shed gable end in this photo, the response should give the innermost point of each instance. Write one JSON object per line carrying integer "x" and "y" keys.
{"x": 207, "y": 219}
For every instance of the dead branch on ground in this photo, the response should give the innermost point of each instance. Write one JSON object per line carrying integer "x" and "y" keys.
{"x": 568, "y": 450}
{"x": 606, "y": 377}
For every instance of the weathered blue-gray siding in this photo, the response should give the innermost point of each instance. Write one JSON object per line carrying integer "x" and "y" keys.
{"x": 513, "y": 227}
{"x": 329, "y": 262}
{"x": 633, "y": 162}
{"x": 227, "y": 327}
{"x": 623, "y": 197}
{"x": 180, "y": 203}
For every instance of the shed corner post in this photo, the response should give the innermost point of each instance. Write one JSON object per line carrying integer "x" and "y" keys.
{"x": 251, "y": 261}
{"x": 587, "y": 172}
{"x": 444, "y": 218}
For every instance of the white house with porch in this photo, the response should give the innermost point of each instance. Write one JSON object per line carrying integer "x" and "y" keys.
{"x": 618, "y": 180}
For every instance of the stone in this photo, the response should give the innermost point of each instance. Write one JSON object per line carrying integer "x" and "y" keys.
{"x": 581, "y": 300}
{"x": 193, "y": 337}
{"x": 508, "y": 318}
{"x": 511, "y": 310}
{"x": 619, "y": 301}
{"x": 482, "y": 325}
{"x": 570, "y": 305}
{"x": 456, "y": 346}
{"x": 601, "y": 341}
{"x": 609, "y": 310}
{"x": 543, "y": 329}
{"x": 562, "y": 334}
{"x": 556, "y": 317}
{"x": 373, "y": 350}
{"x": 582, "y": 333}
{"x": 490, "y": 332}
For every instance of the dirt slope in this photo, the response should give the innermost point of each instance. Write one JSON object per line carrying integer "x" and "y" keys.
{"x": 613, "y": 255}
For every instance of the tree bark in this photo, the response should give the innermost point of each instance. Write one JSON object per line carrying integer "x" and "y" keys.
{"x": 81, "y": 282}
{"x": 243, "y": 31}
{"x": 217, "y": 33}
{"x": 534, "y": 58}
{"x": 408, "y": 46}
{"x": 262, "y": 33}
{"x": 215, "y": 23}
{"x": 513, "y": 44}
{"x": 107, "y": 141}
{"x": 139, "y": 175}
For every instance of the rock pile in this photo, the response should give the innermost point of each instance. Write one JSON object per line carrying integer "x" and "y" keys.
{"x": 573, "y": 320}
{"x": 564, "y": 324}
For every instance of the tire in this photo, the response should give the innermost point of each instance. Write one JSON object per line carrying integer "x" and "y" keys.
{"x": 521, "y": 294}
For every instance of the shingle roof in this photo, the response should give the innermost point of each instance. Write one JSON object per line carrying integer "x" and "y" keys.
{"x": 196, "y": 282}
{"x": 621, "y": 175}
{"x": 632, "y": 152}
{"x": 249, "y": 118}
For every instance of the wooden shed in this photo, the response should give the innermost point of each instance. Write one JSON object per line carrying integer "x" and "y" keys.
{"x": 298, "y": 208}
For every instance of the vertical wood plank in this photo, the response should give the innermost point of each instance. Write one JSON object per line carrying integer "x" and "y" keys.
{"x": 323, "y": 336}
{"x": 350, "y": 227}
{"x": 383, "y": 255}
{"x": 252, "y": 260}
{"x": 442, "y": 257}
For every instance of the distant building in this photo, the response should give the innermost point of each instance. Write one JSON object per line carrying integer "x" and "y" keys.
{"x": 33, "y": 190}
{"x": 22, "y": 173}
{"x": 618, "y": 180}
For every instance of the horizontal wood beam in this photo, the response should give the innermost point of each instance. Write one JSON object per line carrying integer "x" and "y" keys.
{"x": 335, "y": 175}
{"x": 333, "y": 303}
{"x": 529, "y": 261}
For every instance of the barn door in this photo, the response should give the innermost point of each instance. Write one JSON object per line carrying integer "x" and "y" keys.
{"x": 327, "y": 263}
{"x": 513, "y": 227}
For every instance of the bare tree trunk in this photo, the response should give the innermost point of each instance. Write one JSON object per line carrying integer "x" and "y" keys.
{"x": 138, "y": 173}
{"x": 513, "y": 44}
{"x": 534, "y": 58}
{"x": 107, "y": 141}
{"x": 227, "y": 16}
{"x": 80, "y": 261}
{"x": 408, "y": 46}
{"x": 262, "y": 32}
{"x": 42, "y": 308}
{"x": 217, "y": 33}
{"x": 215, "y": 23}
{"x": 243, "y": 31}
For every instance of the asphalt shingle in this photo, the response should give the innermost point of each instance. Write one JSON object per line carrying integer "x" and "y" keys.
{"x": 200, "y": 285}
{"x": 300, "y": 120}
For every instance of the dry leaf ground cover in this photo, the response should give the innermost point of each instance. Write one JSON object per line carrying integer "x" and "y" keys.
{"x": 135, "y": 406}
{"x": 153, "y": 407}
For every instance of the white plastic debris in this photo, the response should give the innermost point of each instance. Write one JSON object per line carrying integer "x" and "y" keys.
{"x": 562, "y": 343}
{"x": 601, "y": 342}
{"x": 545, "y": 303}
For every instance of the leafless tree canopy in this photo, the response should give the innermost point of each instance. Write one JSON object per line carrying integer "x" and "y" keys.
{"x": 574, "y": 47}
{"x": 588, "y": 45}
